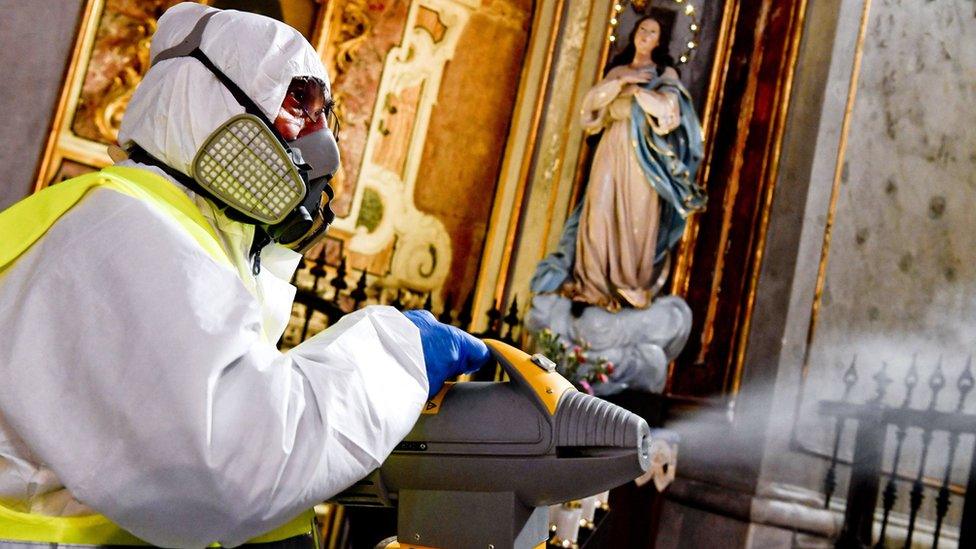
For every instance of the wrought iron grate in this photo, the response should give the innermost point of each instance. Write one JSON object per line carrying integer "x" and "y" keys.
{"x": 871, "y": 421}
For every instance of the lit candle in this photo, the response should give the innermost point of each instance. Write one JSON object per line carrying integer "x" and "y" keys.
{"x": 567, "y": 520}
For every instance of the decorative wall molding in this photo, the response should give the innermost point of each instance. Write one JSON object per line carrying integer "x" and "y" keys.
{"x": 408, "y": 92}
{"x": 533, "y": 198}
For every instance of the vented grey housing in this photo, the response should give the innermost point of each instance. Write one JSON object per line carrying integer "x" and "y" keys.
{"x": 585, "y": 421}
{"x": 497, "y": 446}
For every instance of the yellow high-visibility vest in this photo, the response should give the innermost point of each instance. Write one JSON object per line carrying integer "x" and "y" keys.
{"x": 22, "y": 225}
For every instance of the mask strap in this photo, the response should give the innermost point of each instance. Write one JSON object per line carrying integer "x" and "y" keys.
{"x": 137, "y": 154}
{"x": 190, "y": 47}
{"x": 261, "y": 236}
{"x": 188, "y": 44}
{"x": 249, "y": 106}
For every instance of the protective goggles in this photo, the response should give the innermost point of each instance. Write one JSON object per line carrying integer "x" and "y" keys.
{"x": 306, "y": 95}
{"x": 248, "y": 166}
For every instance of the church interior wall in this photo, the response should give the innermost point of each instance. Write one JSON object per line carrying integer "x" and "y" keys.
{"x": 888, "y": 172}
{"x": 789, "y": 273}
{"x": 34, "y": 58}
{"x": 894, "y": 285}
{"x": 463, "y": 153}
{"x": 898, "y": 280}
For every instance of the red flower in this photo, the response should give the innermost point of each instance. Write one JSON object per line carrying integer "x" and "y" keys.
{"x": 609, "y": 367}
{"x": 603, "y": 378}
{"x": 578, "y": 354}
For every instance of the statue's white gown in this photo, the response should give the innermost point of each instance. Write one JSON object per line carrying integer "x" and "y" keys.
{"x": 618, "y": 228}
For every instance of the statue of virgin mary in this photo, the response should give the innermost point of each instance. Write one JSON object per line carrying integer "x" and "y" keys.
{"x": 640, "y": 190}
{"x": 641, "y": 185}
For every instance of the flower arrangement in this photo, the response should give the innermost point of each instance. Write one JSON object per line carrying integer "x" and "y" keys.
{"x": 573, "y": 361}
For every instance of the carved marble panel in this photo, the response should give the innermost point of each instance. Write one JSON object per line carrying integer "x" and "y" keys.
{"x": 898, "y": 286}
{"x": 110, "y": 57}
{"x": 426, "y": 91}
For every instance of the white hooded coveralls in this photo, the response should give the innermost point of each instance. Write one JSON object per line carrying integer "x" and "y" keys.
{"x": 136, "y": 380}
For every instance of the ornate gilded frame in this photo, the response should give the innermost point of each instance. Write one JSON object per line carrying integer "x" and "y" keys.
{"x": 717, "y": 264}
{"x": 556, "y": 151}
{"x": 63, "y": 144}
{"x": 335, "y": 17}
{"x": 740, "y": 173}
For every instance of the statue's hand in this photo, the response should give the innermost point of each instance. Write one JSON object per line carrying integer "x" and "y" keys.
{"x": 636, "y": 77}
{"x": 630, "y": 89}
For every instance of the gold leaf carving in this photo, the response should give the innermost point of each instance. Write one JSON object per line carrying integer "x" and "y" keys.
{"x": 120, "y": 58}
{"x": 354, "y": 28}
{"x": 109, "y": 111}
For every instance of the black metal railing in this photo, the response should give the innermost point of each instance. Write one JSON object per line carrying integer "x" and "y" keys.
{"x": 871, "y": 421}
{"x": 327, "y": 292}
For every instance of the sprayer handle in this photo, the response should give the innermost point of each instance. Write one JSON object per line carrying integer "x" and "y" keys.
{"x": 533, "y": 374}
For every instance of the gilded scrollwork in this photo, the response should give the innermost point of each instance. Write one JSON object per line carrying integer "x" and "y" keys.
{"x": 409, "y": 85}
{"x": 120, "y": 58}
{"x": 360, "y": 35}
{"x": 354, "y": 27}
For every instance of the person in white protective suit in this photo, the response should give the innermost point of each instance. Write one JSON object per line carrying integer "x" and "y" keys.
{"x": 142, "y": 398}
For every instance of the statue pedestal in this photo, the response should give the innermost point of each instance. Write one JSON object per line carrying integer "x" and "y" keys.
{"x": 639, "y": 342}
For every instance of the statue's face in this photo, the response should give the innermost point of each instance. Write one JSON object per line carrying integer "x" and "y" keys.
{"x": 646, "y": 38}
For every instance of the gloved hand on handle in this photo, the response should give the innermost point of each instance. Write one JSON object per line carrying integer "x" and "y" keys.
{"x": 448, "y": 351}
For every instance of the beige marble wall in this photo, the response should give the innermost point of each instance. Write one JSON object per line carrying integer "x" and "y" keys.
{"x": 901, "y": 272}
{"x": 901, "y": 277}
{"x": 902, "y": 261}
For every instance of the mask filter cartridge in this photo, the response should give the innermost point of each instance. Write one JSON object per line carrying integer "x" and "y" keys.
{"x": 244, "y": 165}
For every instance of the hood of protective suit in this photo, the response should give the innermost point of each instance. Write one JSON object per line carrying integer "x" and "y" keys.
{"x": 180, "y": 102}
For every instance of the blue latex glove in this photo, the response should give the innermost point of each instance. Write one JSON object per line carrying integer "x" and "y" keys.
{"x": 448, "y": 351}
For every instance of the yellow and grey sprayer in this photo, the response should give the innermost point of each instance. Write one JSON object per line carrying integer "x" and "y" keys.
{"x": 485, "y": 459}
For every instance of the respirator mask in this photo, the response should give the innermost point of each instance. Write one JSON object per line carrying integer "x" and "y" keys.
{"x": 247, "y": 166}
